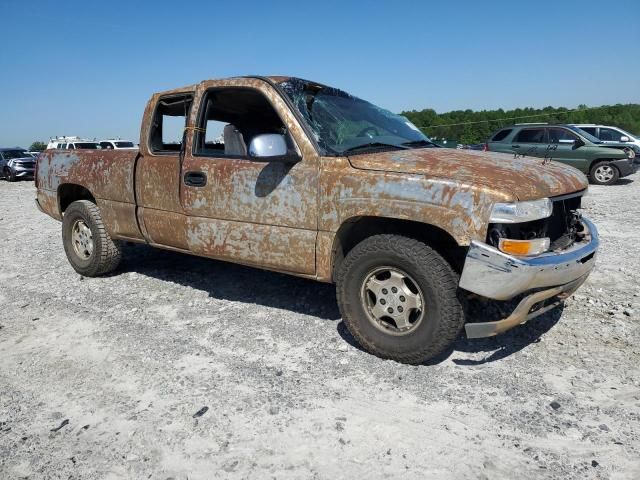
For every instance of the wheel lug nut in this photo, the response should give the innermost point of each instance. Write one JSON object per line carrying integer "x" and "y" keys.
{"x": 385, "y": 291}
{"x": 390, "y": 310}
{"x": 402, "y": 299}
{"x": 394, "y": 289}
{"x": 400, "y": 309}
{"x": 383, "y": 301}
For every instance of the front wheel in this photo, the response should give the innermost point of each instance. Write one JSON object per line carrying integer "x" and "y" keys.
{"x": 9, "y": 175}
{"x": 88, "y": 246}
{"x": 603, "y": 173}
{"x": 398, "y": 298}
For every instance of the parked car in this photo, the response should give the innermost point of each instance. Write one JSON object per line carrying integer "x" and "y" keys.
{"x": 608, "y": 134}
{"x": 603, "y": 163}
{"x": 16, "y": 163}
{"x": 72, "y": 143}
{"x": 117, "y": 145}
{"x": 314, "y": 182}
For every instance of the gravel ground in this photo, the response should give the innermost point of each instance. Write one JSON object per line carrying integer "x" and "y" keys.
{"x": 181, "y": 367}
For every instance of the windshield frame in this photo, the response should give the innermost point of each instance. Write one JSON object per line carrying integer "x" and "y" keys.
{"x": 289, "y": 86}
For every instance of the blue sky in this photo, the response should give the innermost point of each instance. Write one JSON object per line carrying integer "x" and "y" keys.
{"x": 87, "y": 68}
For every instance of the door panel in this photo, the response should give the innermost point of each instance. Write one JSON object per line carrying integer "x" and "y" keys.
{"x": 157, "y": 189}
{"x": 269, "y": 246}
{"x": 260, "y": 213}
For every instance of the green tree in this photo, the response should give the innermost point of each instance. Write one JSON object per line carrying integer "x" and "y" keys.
{"x": 37, "y": 147}
{"x": 468, "y": 126}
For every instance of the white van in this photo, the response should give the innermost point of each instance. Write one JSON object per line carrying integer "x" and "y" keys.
{"x": 72, "y": 143}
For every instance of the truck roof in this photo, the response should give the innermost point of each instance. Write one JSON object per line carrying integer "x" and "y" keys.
{"x": 273, "y": 78}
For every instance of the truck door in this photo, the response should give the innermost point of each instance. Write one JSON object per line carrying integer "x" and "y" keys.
{"x": 158, "y": 170}
{"x": 254, "y": 212}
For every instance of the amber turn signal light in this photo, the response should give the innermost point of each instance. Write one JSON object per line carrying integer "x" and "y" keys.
{"x": 534, "y": 246}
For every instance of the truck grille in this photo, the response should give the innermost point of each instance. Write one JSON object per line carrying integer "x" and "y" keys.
{"x": 564, "y": 223}
{"x": 26, "y": 164}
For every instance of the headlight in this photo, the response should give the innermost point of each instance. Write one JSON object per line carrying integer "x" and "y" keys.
{"x": 518, "y": 212}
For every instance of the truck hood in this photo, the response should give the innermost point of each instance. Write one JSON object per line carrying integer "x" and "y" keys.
{"x": 526, "y": 178}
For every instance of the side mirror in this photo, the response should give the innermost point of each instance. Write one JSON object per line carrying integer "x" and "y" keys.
{"x": 577, "y": 143}
{"x": 624, "y": 138}
{"x": 271, "y": 147}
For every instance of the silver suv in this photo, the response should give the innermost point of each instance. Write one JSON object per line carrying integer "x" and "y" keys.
{"x": 16, "y": 163}
{"x": 608, "y": 134}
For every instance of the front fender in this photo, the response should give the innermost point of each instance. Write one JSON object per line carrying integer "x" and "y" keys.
{"x": 459, "y": 224}
{"x": 459, "y": 209}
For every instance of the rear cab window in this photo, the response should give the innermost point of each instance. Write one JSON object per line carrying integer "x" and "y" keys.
{"x": 169, "y": 121}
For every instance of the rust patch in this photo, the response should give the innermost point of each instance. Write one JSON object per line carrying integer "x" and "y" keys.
{"x": 267, "y": 246}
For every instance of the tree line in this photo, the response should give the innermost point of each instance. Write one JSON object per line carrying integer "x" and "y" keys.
{"x": 468, "y": 126}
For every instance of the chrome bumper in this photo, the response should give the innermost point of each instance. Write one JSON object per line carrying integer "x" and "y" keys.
{"x": 491, "y": 273}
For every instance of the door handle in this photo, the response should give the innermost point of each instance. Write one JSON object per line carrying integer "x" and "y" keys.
{"x": 195, "y": 179}
{"x": 515, "y": 146}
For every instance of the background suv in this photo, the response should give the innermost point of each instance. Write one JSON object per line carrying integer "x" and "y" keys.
{"x": 16, "y": 163}
{"x": 603, "y": 163}
{"x": 607, "y": 134}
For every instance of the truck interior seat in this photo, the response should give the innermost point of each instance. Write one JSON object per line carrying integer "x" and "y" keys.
{"x": 234, "y": 141}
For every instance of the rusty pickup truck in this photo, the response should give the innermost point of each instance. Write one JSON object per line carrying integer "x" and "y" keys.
{"x": 298, "y": 177}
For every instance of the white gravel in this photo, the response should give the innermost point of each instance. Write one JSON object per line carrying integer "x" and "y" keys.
{"x": 101, "y": 378}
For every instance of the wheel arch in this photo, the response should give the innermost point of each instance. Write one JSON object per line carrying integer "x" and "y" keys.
{"x": 598, "y": 160}
{"x": 356, "y": 229}
{"x": 71, "y": 192}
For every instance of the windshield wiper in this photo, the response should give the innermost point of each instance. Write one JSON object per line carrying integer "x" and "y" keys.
{"x": 419, "y": 143}
{"x": 373, "y": 145}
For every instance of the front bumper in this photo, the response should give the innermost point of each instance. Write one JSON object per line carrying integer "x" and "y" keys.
{"x": 626, "y": 167}
{"x": 21, "y": 172}
{"x": 491, "y": 273}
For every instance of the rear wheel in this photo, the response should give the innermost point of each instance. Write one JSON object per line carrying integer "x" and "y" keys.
{"x": 603, "y": 173}
{"x": 398, "y": 298}
{"x": 89, "y": 248}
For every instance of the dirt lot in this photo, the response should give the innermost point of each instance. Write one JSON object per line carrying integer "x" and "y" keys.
{"x": 109, "y": 377}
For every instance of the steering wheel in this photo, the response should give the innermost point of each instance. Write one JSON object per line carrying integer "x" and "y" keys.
{"x": 364, "y": 132}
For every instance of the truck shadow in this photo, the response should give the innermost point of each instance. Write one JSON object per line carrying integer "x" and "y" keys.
{"x": 228, "y": 281}
{"x": 496, "y": 348}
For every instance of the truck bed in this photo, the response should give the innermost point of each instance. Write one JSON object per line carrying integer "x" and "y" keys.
{"x": 106, "y": 174}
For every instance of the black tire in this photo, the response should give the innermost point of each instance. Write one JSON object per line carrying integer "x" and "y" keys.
{"x": 9, "y": 175}
{"x": 105, "y": 255}
{"x": 596, "y": 178}
{"x": 444, "y": 313}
